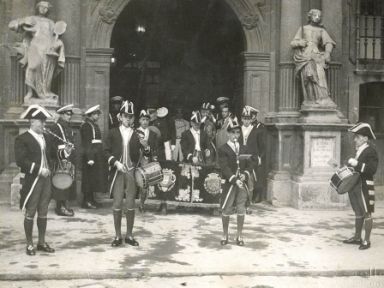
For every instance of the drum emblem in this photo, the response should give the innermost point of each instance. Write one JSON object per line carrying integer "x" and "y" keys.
{"x": 212, "y": 183}
{"x": 169, "y": 180}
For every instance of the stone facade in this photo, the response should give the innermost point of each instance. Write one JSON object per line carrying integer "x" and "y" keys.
{"x": 268, "y": 82}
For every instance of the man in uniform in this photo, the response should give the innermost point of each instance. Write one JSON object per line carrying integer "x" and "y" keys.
{"x": 221, "y": 134}
{"x": 123, "y": 152}
{"x": 115, "y": 103}
{"x": 363, "y": 196}
{"x": 261, "y": 139}
{"x": 249, "y": 138}
{"x": 34, "y": 153}
{"x": 94, "y": 178}
{"x": 64, "y": 131}
{"x": 149, "y": 142}
{"x": 194, "y": 142}
{"x": 236, "y": 172}
{"x": 181, "y": 125}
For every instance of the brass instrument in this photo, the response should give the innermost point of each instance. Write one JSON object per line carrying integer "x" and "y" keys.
{"x": 71, "y": 145}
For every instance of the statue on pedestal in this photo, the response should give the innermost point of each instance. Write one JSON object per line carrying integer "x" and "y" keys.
{"x": 42, "y": 53}
{"x": 312, "y": 52}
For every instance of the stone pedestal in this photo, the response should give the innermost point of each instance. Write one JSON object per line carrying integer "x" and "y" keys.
{"x": 305, "y": 152}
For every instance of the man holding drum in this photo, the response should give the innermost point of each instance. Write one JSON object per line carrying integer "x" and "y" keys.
{"x": 123, "y": 152}
{"x": 149, "y": 141}
{"x": 64, "y": 131}
{"x": 363, "y": 198}
{"x": 34, "y": 153}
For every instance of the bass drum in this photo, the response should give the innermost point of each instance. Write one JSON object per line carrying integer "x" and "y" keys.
{"x": 148, "y": 175}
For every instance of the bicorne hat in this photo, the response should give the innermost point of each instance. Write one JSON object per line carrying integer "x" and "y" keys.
{"x": 363, "y": 129}
{"x": 127, "y": 108}
{"x": 36, "y": 111}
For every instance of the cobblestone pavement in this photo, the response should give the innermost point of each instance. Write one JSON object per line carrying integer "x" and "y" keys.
{"x": 209, "y": 282}
{"x": 279, "y": 241}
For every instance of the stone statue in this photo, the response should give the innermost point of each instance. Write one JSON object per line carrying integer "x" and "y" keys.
{"x": 312, "y": 49}
{"x": 42, "y": 53}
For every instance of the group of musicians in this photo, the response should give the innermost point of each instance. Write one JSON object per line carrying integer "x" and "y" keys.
{"x": 238, "y": 148}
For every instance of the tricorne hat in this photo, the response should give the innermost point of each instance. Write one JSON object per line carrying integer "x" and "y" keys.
{"x": 66, "y": 108}
{"x": 252, "y": 110}
{"x": 36, "y": 111}
{"x": 363, "y": 129}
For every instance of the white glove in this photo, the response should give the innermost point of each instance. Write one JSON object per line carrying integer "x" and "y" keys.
{"x": 195, "y": 160}
{"x": 353, "y": 162}
{"x": 90, "y": 162}
{"x": 45, "y": 172}
{"x": 173, "y": 147}
{"x": 207, "y": 153}
{"x": 239, "y": 183}
{"x": 119, "y": 166}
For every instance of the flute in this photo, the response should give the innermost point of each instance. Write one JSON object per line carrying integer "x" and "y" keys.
{"x": 71, "y": 145}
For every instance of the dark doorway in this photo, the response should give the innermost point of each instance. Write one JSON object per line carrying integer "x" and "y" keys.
{"x": 177, "y": 52}
{"x": 372, "y": 112}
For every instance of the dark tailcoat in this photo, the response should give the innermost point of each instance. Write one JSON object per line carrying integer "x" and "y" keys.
{"x": 63, "y": 130}
{"x": 94, "y": 178}
{"x": 113, "y": 121}
{"x": 114, "y": 152}
{"x": 188, "y": 144}
{"x": 228, "y": 165}
{"x": 29, "y": 159}
{"x": 367, "y": 166}
{"x": 253, "y": 148}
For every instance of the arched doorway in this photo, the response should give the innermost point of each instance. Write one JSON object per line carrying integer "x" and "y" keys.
{"x": 255, "y": 60}
{"x": 177, "y": 53}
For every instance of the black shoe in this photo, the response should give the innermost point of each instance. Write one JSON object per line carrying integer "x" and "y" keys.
{"x": 88, "y": 205}
{"x": 96, "y": 204}
{"x": 141, "y": 209}
{"x": 64, "y": 212}
{"x": 224, "y": 241}
{"x": 131, "y": 241}
{"x": 117, "y": 242}
{"x": 365, "y": 245}
{"x": 352, "y": 240}
{"x": 45, "y": 247}
{"x": 30, "y": 250}
{"x": 239, "y": 241}
{"x": 248, "y": 211}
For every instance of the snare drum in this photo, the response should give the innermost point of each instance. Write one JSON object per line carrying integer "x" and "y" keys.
{"x": 148, "y": 175}
{"x": 344, "y": 179}
{"x": 63, "y": 175}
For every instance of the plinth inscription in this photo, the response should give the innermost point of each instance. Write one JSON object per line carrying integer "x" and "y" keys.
{"x": 322, "y": 150}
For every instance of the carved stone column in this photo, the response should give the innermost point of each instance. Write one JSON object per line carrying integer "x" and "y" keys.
{"x": 288, "y": 93}
{"x": 256, "y": 81}
{"x": 98, "y": 63}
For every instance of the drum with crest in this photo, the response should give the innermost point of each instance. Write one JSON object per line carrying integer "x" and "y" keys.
{"x": 148, "y": 175}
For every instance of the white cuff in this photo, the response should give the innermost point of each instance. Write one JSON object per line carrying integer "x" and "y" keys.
{"x": 362, "y": 167}
{"x": 231, "y": 178}
{"x": 61, "y": 146}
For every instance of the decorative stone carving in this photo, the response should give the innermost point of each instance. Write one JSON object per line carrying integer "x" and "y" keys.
{"x": 107, "y": 14}
{"x": 41, "y": 53}
{"x": 249, "y": 21}
{"x": 312, "y": 54}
